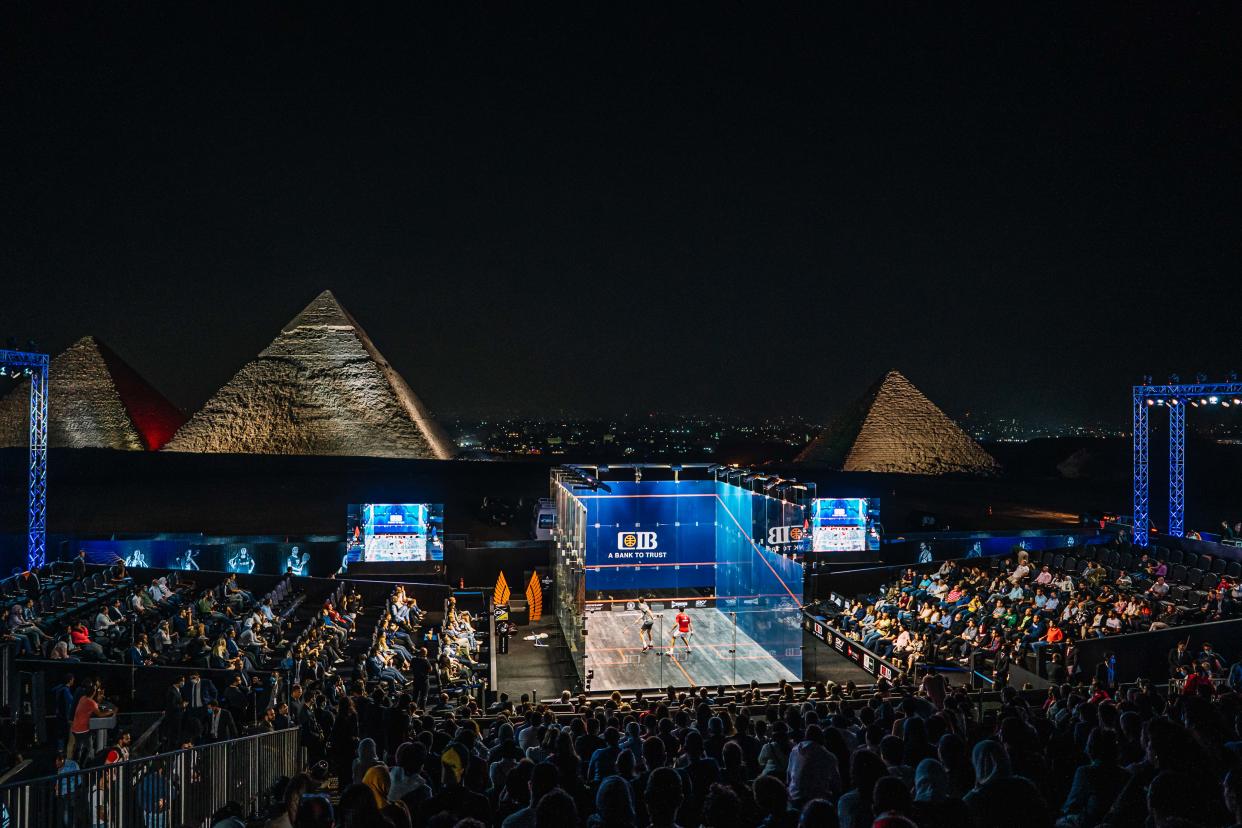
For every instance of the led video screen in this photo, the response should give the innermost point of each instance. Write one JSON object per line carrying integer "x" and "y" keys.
{"x": 845, "y": 524}
{"x": 395, "y": 532}
{"x": 256, "y": 555}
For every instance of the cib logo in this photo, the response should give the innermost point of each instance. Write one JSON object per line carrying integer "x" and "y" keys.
{"x": 778, "y": 535}
{"x": 636, "y": 540}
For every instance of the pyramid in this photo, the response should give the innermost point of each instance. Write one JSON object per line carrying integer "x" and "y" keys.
{"x": 96, "y": 401}
{"x": 894, "y": 428}
{"x": 320, "y": 388}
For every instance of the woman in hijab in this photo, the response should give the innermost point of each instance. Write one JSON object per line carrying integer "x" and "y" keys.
{"x": 933, "y": 806}
{"x": 633, "y": 741}
{"x": 991, "y": 801}
{"x": 364, "y": 760}
{"x": 376, "y": 778}
{"x": 614, "y": 807}
{"x": 991, "y": 763}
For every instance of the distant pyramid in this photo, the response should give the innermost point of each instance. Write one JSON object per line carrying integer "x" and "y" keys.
{"x": 96, "y": 401}
{"x": 894, "y": 428}
{"x": 321, "y": 387}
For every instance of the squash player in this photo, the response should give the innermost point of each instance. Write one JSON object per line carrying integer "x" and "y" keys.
{"x": 682, "y": 631}
{"x": 646, "y": 621}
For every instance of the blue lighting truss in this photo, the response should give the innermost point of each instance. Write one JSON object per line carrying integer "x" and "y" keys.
{"x": 1177, "y": 470}
{"x": 1176, "y": 398}
{"x": 34, "y": 367}
{"x": 1142, "y": 506}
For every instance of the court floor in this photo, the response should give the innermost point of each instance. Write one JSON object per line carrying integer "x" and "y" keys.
{"x": 614, "y": 653}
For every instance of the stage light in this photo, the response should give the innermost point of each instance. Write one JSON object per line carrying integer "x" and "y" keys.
{"x": 1236, "y": 401}
{"x": 1224, "y": 403}
{"x": 1150, "y": 401}
{"x": 1213, "y": 400}
{"x": 1173, "y": 402}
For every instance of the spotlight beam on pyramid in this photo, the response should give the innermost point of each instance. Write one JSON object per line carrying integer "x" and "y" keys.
{"x": 34, "y": 366}
{"x": 1177, "y": 398}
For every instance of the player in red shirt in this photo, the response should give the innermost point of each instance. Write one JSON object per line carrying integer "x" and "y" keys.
{"x": 682, "y": 631}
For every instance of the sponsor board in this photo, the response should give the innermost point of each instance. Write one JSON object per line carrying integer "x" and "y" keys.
{"x": 850, "y": 649}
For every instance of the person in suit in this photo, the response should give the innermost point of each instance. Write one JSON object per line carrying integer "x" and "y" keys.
{"x": 64, "y": 704}
{"x": 198, "y": 694}
{"x": 174, "y": 712}
{"x": 219, "y": 725}
{"x": 296, "y": 702}
{"x": 79, "y": 565}
{"x": 235, "y": 699}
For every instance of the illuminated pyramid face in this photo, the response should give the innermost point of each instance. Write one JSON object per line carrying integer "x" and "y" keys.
{"x": 320, "y": 388}
{"x": 893, "y": 428}
{"x": 95, "y": 400}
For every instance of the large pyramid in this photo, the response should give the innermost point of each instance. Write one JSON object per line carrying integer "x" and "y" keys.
{"x": 321, "y": 387}
{"x": 96, "y": 401}
{"x": 894, "y": 428}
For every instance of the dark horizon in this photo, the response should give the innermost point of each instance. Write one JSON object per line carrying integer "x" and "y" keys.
{"x": 751, "y": 212}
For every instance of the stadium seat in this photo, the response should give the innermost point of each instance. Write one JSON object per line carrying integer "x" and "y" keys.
{"x": 1057, "y": 561}
{"x": 1111, "y": 557}
{"x": 1070, "y": 564}
{"x": 1209, "y": 581}
{"x": 1190, "y": 559}
{"x": 1177, "y": 574}
{"x": 1047, "y": 557}
{"x": 1173, "y": 557}
{"x": 1218, "y": 566}
{"x": 1125, "y": 559}
{"x": 1234, "y": 569}
{"x": 1089, "y": 553}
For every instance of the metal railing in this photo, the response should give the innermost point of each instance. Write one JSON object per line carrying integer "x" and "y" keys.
{"x": 184, "y": 787}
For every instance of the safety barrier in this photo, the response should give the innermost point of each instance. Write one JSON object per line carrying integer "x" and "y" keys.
{"x": 184, "y": 787}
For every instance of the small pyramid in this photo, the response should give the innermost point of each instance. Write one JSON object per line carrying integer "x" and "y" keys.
{"x": 96, "y": 401}
{"x": 893, "y": 428}
{"x": 320, "y": 388}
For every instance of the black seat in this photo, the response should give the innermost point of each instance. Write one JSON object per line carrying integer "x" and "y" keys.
{"x": 1070, "y": 563}
{"x": 1209, "y": 581}
{"x": 1058, "y": 560}
{"x": 1190, "y": 559}
{"x": 1174, "y": 557}
{"x": 1234, "y": 569}
{"x": 1177, "y": 574}
{"x": 1125, "y": 559}
{"x": 1218, "y": 566}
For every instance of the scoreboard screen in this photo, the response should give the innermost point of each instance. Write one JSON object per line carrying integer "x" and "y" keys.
{"x": 845, "y": 524}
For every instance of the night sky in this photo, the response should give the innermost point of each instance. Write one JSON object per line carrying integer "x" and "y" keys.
{"x": 726, "y": 210}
